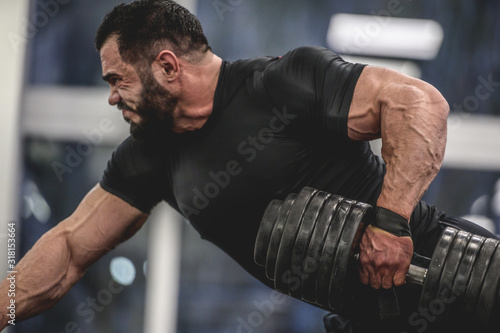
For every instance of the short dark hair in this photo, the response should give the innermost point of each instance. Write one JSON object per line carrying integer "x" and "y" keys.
{"x": 145, "y": 27}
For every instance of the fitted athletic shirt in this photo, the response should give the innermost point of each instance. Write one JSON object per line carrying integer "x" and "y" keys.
{"x": 278, "y": 124}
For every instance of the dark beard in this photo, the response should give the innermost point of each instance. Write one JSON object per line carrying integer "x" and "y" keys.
{"x": 155, "y": 108}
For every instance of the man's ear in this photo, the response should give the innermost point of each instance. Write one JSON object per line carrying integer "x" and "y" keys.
{"x": 169, "y": 63}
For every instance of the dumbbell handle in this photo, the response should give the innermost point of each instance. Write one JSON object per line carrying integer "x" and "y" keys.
{"x": 415, "y": 275}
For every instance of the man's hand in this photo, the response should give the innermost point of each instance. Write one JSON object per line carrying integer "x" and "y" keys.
{"x": 384, "y": 258}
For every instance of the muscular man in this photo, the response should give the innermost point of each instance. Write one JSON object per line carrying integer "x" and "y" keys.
{"x": 219, "y": 140}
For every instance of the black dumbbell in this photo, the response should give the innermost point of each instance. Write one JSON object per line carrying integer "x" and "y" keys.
{"x": 317, "y": 234}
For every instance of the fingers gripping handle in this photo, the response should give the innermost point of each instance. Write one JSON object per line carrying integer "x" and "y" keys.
{"x": 416, "y": 273}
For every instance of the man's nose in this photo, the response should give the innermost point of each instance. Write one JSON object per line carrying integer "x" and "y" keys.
{"x": 114, "y": 96}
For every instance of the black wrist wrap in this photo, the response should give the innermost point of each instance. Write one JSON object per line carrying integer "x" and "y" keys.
{"x": 391, "y": 222}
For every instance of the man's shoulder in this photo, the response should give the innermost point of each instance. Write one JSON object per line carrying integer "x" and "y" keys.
{"x": 294, "y": 59}
{"x": 309, "y": 57}
{"x": 297, "y": 53}
{"x": 305, "y": 51}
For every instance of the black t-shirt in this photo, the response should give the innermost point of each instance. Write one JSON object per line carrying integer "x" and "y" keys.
{"x": 278, "y": 124}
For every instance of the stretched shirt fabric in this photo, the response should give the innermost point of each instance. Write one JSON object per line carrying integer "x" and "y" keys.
{"x": 278, "y": 124}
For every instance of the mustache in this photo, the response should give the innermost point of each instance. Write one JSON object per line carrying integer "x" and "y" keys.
{"x": 123, "y": 106}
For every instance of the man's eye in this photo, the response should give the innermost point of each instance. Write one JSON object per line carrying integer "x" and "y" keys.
{"x": 113, "y": 81}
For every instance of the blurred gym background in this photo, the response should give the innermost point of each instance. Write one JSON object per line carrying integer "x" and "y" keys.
{"x": 58, "y": 133}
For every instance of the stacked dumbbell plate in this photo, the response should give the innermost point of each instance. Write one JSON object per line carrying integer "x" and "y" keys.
{"x": 463, "y": 280}
{"x": 315, "y": 248}
{"x": 310, "y": 245}
{"x": 306, "y": 244}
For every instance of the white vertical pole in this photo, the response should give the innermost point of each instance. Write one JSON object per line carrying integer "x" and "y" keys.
{"x": 163, "y": 271}
{"x": 13, "y": 40}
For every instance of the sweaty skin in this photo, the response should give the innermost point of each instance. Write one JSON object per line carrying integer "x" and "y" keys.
{"x": 410, "y": 116}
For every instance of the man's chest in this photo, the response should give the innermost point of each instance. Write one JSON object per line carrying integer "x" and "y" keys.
{"x": 246, "y": 152}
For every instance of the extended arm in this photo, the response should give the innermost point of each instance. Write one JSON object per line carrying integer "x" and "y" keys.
{"x": 61, "y": 256}
{"x": 410, "y": 116}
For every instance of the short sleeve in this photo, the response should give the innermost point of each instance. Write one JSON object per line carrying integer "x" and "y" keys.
{"x": 134, "y": 175}
{"x": 314, "y": 82}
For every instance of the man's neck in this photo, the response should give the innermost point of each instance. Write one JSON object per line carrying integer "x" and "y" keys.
{"x": 195, "y": 105}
